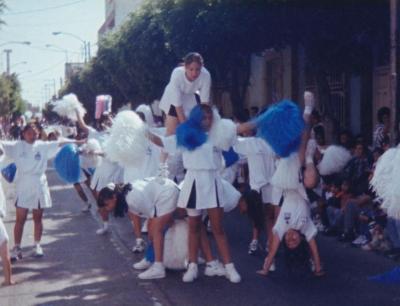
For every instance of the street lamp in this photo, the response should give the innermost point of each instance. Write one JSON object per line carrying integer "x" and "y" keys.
{"x": 11, "y": 42}
{"x": 86, "y": 47}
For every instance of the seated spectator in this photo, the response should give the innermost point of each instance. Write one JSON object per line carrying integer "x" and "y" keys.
{"x": 346, "y": 139}
{"x": 358, "y": 169}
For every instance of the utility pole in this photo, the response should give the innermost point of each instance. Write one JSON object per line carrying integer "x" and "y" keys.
{"x": 393, "y": 69}
{"x": 8, "y": 51}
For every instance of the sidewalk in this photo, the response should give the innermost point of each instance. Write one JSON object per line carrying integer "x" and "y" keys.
{"x": 79, "y": 267}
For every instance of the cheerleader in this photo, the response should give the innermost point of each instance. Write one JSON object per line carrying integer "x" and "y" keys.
{"x": 148, "y": 168}
{"x": 189, "y": 85}
{"x": 202, "y": 188}
{"x": 4, "y": 254}
{"x": 107, "y": 171}
{"x": 261, "y": 162}
{"x": 294, "y": 225}
{"x": 152, "y": 198}
{"x": 179, "y": 95}
{"x": 30, "y": 156}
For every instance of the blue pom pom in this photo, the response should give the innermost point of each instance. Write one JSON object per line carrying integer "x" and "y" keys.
{"x": 390, "y": 277}
{"x": 281, "y": 126}
{"x": 8, "y": 172}
{"x": 190, "y": 134}
{"x": 230, "y": 157}
{"x": 67, "y": 164}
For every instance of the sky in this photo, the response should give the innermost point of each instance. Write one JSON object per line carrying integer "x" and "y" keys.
{"x": 45, "y": 57}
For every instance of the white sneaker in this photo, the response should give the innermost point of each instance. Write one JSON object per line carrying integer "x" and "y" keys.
{"x": 191, "y": 273}
{"x": 360, "y": 240}
{"x": 154, "y": 272}
{"x": 102, "y": 231}
{"x": 142, "y": 265}
{"x": 214, "y": 268}
{"x": 139, "y": 246}
{"x": 232, "y": 274}
{"x": 16, "y": 253}
{"x": 272, "y": 268}
{"x": 86, "y": 207}
{"x": 253, "y": 246}
{"x": 38, "y": 251}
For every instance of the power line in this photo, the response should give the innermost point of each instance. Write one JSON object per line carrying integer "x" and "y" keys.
{"x": 44, "y": 9}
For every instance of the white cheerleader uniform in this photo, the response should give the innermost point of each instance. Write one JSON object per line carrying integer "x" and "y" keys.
{"x": 3, "y": 232}
{"x": 107, "y": 171}
{"x": 261, "y": 160}
{"x": 202, "y": 187}
{"x": 152, "y": 197}
{"x": 180, "y": 91}
{"x": 31, "y": 181}
{"x": 294, "y": 214}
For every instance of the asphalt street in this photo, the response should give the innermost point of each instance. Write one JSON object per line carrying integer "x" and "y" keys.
{"x": 81, "y": 268}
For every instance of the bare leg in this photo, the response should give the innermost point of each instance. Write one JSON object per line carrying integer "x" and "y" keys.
{"x": 194, "y": 238}
{"x": 205, "y": 244}
{"x": 136, "y": 224}
{"x": 5, "y": 259}
{"x": 80, "y": 192}
{"x": 38, "y": 224}
{"x": 21, "y": 214}
{"x": 158, "y": 226}
{"x": 216, "y": 215}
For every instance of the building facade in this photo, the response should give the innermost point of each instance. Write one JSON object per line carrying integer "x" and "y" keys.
{"x": 116, "y": 13}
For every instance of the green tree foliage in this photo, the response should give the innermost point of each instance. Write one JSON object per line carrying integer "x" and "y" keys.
{"x": 135, "y": 63}
{"x": 10, "y": 95}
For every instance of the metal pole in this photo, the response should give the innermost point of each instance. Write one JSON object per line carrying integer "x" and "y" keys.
{"x": 393, "y": 70}
{"x": 88, "y": 47}
{"x": 8, "y": 51}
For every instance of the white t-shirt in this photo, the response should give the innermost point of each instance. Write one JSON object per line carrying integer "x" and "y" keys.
{"x": 180, "y": 91}
{"x": 30, "y": 159}
{"x": 204, "y": 157}
{"x": 294, "y": 214}
{"x": 151, "y": 197}
{"x": 260, "y": 158}
{"x": 148, "y": 167}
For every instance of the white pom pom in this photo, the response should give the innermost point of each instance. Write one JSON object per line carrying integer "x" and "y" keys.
{"x": 127, "y": 143}
{"x": 148, "y": 115}
{"x": 88, "y": 159}
{"x": 286, "y": 175}
{"x": 381, "y": 181}
{"x": 223, "y": 133}
{"x": 176, "y": 247}
{"x": 68, "y": 106}
{"x": 334, "y": 160}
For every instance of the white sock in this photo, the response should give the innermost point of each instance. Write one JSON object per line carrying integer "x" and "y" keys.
{"x": 37, "y": 243}
{"x": 139, "y": 240}
{"x": 105, "y": 225}
{"x": 158, "y": 264}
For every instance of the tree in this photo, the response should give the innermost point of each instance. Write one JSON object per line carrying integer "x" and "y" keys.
{"x": 10, "y": 95}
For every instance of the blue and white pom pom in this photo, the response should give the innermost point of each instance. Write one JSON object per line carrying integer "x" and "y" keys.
{"x": 190, "y": 134}
{"x": 68, "y": 106}
{"x": 67, "y": 164}
{"x": 281, "y": 126}
{"x": 127, "y": 143}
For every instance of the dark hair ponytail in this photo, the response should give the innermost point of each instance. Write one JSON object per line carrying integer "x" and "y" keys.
{"x": 120, "y": 191}
{"x": 297, "y": 259}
